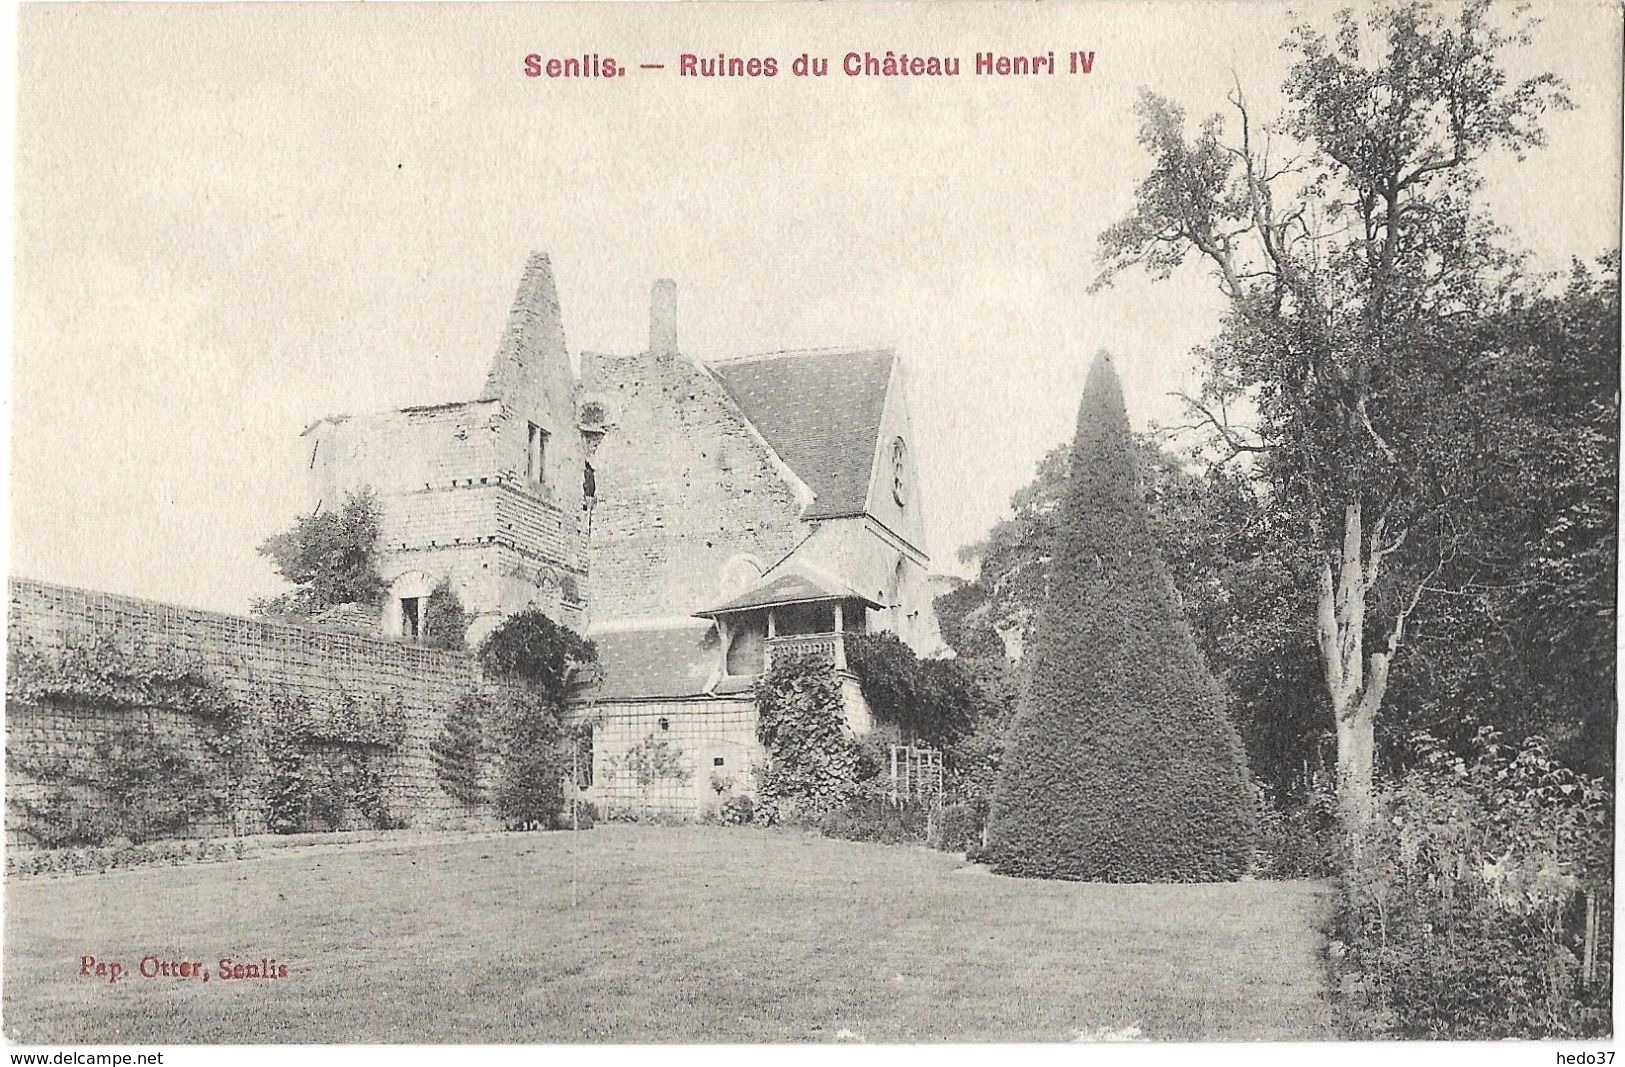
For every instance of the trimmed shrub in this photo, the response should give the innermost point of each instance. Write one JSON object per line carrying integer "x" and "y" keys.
{"x": 958, "y": 829}
{"x": 530, "y": 785}
{"x": 456, "y": 752}
{"x": 445, "y": 617}
{"x": 1121, "y": 764}
{"x": 537, "y": 658}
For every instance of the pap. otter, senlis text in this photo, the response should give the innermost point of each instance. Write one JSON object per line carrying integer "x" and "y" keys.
{"x": 229, "y": 969}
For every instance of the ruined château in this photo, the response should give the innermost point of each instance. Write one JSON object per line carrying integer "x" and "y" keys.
{"x": 692, "y": 518}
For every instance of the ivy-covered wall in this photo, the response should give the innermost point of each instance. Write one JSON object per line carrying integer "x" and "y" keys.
{"x": 332, "y": 677}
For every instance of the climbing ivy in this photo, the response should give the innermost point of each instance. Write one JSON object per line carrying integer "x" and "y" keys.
{"x": 323, "y": 760}
{"x": 456, "y": 751}
{"x": 309, "y": 764}
{"x": 812, "y": 758}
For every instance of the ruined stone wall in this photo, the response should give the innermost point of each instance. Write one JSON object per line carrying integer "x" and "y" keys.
{"x": 414, "y": 449}
{"x": 456, "y": 504}
{"x": 250, "y": 657}
{"x": 684, "y": 485}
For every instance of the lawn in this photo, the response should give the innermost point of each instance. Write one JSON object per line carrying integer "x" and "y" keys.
{"x": 685, "y": 934}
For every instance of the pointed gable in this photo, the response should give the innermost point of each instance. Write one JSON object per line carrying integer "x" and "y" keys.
{"x": 821, "y": 412}
{"x": 532, "y": 345}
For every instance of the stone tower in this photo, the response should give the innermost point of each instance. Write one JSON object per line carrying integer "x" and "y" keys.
{"x": 485, "y": 493}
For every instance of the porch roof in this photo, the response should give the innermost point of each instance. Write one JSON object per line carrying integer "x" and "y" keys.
{"x": 783, "y": 586}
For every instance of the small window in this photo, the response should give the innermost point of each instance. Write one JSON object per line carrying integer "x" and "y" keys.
{"x": 589, "y": 481}
{"x": 718, "y": 761}
{"x": 899, "y": 472}
{"x": 664, "y": 723}
{"x": 536, "y": 454}
{"x": 412, "y": 617}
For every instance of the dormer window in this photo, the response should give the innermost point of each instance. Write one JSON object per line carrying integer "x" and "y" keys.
{"x": 536, "y": 455}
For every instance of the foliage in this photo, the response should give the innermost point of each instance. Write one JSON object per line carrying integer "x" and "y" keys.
{"x": 457, "y": 749}
{"x": 135, "y": 782}
{"x": 331, "y": 557}
{"x": 1298, "y": 836}
{"x": 445, "y": 618}
{"x": 1121, "y": 764}
{"x": 534, "y": 758}
{"x": 120, "y": 855}
{"x": 1347, "y": 241}
{"x": 139, "y": 778}
{"x": 737, "y": 811}
{"x": 1521, "y": 634}
{"x": 654, "y": 759}
{"x": 536, "y": 659}
{"x": 1241, "y": 586}
{"x": 874, "y": 818}
{"x": 958, "y": 829}
{"x": 1463, "y": 914}
{"x": 930, "y": 700}
{"x": 576, "y": 815}
{"x": 114, "y": 670}
{"x": 532, "y": 649}
{"x": 323, "y": 769}
{"x": 801, "y": 721}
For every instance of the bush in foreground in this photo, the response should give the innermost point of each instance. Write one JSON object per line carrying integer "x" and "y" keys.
{"x": 1465, "y": 913}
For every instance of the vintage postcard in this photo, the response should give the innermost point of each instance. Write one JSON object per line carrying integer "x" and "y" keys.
{"x": 784, "y": 523}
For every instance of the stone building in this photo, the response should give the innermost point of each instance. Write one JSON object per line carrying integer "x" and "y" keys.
{"x": 487, "y": 493}
{"x": 694, "y": 519}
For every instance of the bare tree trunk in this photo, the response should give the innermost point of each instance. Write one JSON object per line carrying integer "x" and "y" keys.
{"x": 1355, "y": 683}
{"x": 1356, "y": 754}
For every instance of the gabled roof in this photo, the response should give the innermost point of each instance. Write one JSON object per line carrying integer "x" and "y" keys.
{"x": 788, "y": 585}
{"x": 673, "y": 661}
{"x": 820, "y": 411}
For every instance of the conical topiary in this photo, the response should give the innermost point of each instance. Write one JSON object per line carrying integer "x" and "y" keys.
{"x": 1121, "y": 764}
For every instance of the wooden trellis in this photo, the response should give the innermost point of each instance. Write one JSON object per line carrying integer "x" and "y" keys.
{"x": 916, "y": 773}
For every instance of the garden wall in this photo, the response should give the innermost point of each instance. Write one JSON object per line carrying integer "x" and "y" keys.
{"x": 249, "y": 657}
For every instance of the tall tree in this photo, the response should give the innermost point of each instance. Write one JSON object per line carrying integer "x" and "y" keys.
{"x": 331, "y": 557}
{"x": 1342, "y": 235}
{"x": 1121, "y": 763}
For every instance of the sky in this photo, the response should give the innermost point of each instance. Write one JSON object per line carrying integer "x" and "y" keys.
{"x": 233, "y": 220}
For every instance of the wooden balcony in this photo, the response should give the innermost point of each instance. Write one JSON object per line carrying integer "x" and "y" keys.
{"x": 831, "y": 648}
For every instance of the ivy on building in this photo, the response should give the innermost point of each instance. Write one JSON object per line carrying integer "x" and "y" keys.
{"x": 812, "y": 758}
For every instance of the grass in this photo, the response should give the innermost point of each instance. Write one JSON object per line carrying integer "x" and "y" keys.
{"x": 686, "y": 934}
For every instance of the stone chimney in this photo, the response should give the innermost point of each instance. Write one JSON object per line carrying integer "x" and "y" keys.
{"x": 663, "y": 319}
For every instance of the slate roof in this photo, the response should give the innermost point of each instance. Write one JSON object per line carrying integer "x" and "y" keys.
{"x": 668, "y": 663}
{"x": 821, "y": 413}
{"x": 785, "y": 586}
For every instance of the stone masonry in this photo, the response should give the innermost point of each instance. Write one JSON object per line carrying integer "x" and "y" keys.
{"x": 249, "y": 657}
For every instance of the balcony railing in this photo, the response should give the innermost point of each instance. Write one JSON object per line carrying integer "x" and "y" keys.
{"x": 831, "y": 648}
